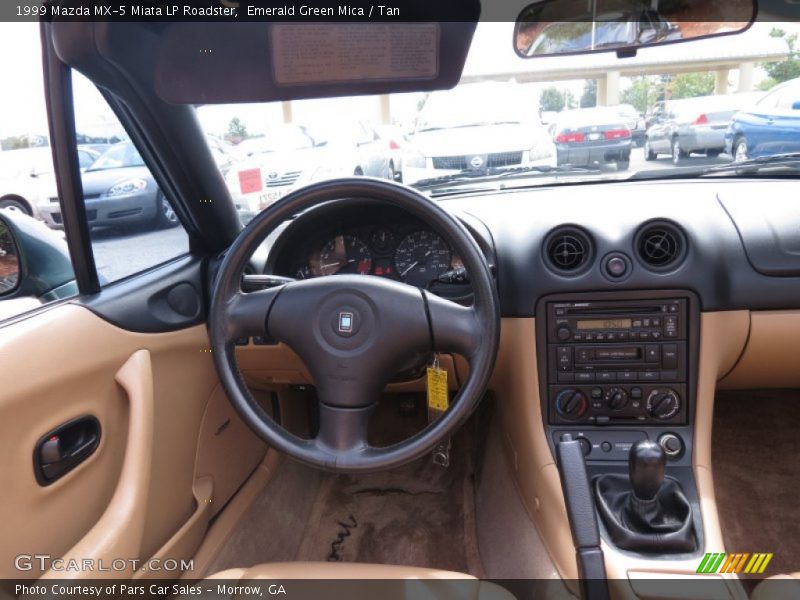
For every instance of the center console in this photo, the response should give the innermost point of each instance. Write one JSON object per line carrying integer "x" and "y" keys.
{"x": 617, "y": 371}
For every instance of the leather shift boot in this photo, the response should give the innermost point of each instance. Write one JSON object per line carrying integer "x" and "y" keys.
{"x": 662, "y": 525}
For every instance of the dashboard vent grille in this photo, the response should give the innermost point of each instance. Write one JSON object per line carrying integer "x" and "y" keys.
{"x": 660, "y": 245}
{"x": 568, "y": 250}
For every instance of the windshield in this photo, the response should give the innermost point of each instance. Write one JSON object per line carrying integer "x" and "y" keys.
{"x": 475, "y": 105}
{"x": 673, "y": 110}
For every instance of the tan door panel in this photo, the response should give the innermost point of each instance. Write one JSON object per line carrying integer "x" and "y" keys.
{"x": 118, "y": 533}
{"x": 67, "y": 362}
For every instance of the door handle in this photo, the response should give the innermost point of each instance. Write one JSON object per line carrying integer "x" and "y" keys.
{"x": 64, "y": 448}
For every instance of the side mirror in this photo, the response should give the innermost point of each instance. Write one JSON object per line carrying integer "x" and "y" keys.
{"x": 796, "y": 105}
{"x": 34, "y": 260}
{"x": 9, "y": 261}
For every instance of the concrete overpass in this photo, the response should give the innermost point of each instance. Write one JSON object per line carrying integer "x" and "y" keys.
{"x": 721, "y": 55}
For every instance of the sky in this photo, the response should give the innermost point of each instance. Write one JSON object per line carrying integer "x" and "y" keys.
{"x": 22, "y": 109}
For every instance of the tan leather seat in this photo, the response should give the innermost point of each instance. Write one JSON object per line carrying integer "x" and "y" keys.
{"x": 406, "y": 583}
{"x": 778, "y": 587}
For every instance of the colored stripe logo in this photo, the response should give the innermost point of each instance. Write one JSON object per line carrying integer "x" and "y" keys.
{"x": 739, "y": 562}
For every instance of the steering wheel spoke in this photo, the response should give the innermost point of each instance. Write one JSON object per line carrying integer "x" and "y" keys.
{"x": 455, "y": 328}
{"x": 246, "y": 313}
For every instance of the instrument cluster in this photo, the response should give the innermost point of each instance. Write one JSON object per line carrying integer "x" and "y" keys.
{"x": 418, "y": 256}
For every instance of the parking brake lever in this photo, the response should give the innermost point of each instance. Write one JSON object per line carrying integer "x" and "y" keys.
{"x": 582, "y": 519}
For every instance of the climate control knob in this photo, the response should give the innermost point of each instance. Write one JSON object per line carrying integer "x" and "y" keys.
{"x": 616, "y": 398}
{"x": 572, "y": 404}
{"x": 663, "y": 403}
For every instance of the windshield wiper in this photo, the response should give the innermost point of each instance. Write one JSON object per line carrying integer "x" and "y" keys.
{"x": 498, "y": 173}
{"x": 786, "y": 160}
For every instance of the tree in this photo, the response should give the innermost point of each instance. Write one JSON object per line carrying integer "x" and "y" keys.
{"x": 569, "y": 100}
{"x": 790, "y": 67}
{"x": 691, "y": 85}
{"x": 642, "y": 94}
{"x": 589, "y": 96}
{"x": 236, "y": 130}
{"x": 551, "y": 100}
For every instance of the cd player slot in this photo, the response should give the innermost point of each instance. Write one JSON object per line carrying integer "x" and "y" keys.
{"x": 613, "y": 310}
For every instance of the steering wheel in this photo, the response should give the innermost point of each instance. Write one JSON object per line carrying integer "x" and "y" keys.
{"x": 354, "y": 333}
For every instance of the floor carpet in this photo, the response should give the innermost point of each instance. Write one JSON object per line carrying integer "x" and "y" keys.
{"x": 755, "y": 450}
{"x": 420, "y": 514}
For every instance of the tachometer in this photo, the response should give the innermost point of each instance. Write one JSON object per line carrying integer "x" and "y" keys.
{"x": 421, "y": 257}
{"x": 345, "y": 254}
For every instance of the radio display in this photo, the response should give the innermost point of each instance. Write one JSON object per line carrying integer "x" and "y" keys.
{"x": 605, "y": 324}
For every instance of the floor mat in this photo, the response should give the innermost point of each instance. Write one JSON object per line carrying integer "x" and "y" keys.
{"x": 755, "y": 445}
{"x": 420, "y": 514}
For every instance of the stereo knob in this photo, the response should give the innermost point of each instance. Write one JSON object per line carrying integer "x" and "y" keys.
{"x": 663, "y": 403}
{"x": 563, "y": 333}
{"x": 572, "y": 404}
{"x": 616, "y": 398}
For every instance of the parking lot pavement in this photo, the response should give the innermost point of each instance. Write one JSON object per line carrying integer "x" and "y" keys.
{"x": 122, "y": 253}
{"x": 638, "y": 163}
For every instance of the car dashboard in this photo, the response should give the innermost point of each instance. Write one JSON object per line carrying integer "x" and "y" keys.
{"x": 616, "y": 277}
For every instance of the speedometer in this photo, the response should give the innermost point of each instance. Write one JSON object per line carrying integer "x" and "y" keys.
{"x": 345, "y": 254}
{"x": 421, "y": 257}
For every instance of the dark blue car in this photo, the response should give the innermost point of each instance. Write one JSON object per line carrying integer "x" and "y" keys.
{"x": 771, "y": 126}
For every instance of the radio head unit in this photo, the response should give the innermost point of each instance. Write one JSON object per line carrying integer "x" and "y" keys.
{"x": 622, "y": 362}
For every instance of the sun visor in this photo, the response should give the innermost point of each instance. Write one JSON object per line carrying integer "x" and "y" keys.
{"x": 211, "y": 63}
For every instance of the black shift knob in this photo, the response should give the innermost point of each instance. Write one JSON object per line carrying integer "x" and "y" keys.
{"x": 646, "y": 463}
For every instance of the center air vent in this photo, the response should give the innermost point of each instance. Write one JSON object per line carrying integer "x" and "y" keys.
{"x": 568, "y": 250}
{"x": 660, "y": 245}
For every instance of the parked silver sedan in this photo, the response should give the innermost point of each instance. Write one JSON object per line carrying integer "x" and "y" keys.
{"x": 694, "y": 125}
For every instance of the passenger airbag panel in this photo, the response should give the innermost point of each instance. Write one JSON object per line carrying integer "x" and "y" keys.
{"x": 770, "y": 231}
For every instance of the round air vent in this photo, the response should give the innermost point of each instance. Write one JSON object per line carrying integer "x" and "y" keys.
{"x": 660, "y": 245}
{"x": 568, "y": 250}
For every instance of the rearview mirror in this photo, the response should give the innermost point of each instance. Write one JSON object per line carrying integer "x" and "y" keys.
{"x": 560, "y": 27}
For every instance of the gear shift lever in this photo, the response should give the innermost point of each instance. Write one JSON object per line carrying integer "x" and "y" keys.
{"x": 645, "y": 511}
{"x": 646, "y": 465}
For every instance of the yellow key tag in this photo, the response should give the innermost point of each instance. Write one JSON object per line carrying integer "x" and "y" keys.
{"x": 437, "y": 388}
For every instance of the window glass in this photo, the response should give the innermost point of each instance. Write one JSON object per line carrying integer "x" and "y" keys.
{"x": 35, "y": 267}
{"x": 133, "y": 225}
{"x": 788, "y": 96}
{"x": 770, "y": 100}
